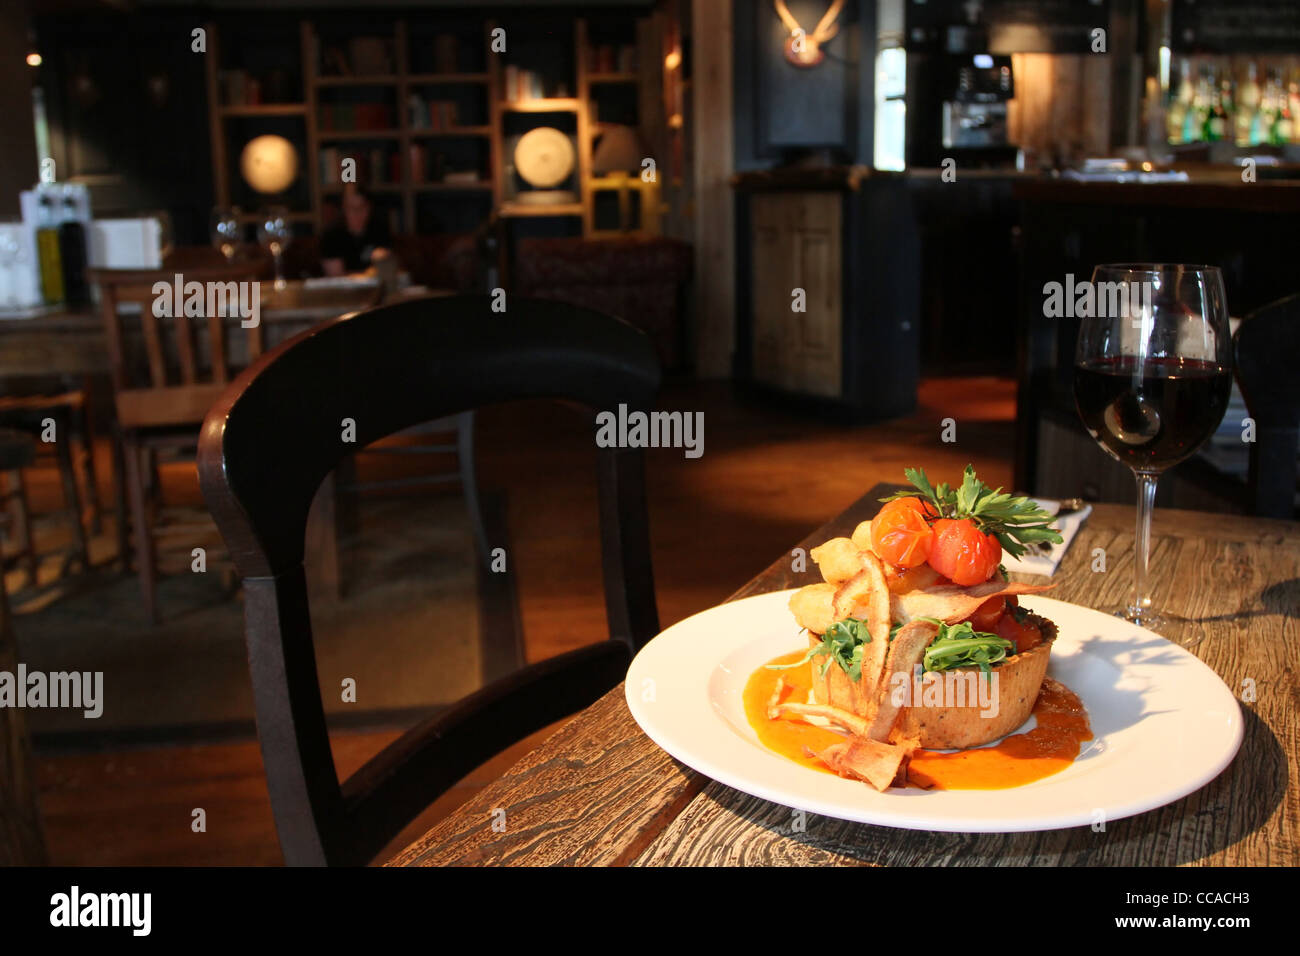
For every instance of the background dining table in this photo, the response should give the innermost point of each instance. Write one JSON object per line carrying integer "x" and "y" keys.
{"x": 600, "y": 792}
{"x": 58, "y": 341}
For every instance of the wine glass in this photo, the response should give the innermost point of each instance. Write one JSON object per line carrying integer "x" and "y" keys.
{"x": 224, "y": 229}
{"x": 1151, "y": 381}
{"x": 274, "y": 233}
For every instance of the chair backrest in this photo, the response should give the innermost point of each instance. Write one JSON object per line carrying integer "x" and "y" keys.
{"x": 277, "y": 432}
{"x": 1267, "y": 358}
{"x": 179, "y": 390}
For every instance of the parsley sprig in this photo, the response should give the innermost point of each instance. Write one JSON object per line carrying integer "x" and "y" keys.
{"x": 1016, "y": 522}
{"x": 843, "y": 643}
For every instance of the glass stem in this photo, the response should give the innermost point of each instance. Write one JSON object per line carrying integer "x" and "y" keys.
{"x": 1146, "y": 500}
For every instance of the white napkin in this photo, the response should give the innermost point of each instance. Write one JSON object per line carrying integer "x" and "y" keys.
{"x": 1038, "y": 561}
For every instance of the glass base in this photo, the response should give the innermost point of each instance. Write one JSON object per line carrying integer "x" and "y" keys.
{"x": 1176, "y": 629}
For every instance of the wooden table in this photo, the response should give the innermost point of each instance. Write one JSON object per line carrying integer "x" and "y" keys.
{"x": 73, "y": 343}
{"x": 599, "y": 792}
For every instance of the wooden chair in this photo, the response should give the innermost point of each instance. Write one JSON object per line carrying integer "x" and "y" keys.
{"x": 1267, "y": 347}
{"x": 25, "y": 404}
{"x": 275, "y": 435}
{"x": 21, "y": 840}
{"x": 162, "y": 396}
{"x": 17, "y": 451}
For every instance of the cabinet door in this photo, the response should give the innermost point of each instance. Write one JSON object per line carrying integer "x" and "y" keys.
{"x": 797, "y": 245}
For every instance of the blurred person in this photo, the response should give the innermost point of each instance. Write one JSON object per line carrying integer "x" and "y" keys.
{"x": 359, "y": 239}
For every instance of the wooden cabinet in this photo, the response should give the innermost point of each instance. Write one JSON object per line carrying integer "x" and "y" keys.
{"x": 796, "y": 291}
{"x": 827, "y": 289}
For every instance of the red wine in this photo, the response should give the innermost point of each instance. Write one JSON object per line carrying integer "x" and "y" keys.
{"x": 1151, "y": 415}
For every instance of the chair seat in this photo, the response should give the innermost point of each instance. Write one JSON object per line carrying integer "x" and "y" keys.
{"x": 169, "y": 406}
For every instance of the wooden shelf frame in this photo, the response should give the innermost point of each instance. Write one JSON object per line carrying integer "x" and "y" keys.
{"x": 402, "y": 82}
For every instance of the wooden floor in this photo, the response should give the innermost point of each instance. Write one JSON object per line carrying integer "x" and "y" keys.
{"x": 766, "y": 477}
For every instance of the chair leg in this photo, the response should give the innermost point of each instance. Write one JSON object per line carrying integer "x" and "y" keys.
{"x": 146, "y": 562}
{"x": 22, "y": 525}
{"x": 72, "y": 501}
{"x": 94, "y": 507}
{"x": 469, "y": 481}
{"x": 123, "y": 529}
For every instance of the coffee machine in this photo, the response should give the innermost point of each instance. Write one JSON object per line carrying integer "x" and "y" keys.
{"x": 975, "y": 115}
{"x": 957, "y": 96}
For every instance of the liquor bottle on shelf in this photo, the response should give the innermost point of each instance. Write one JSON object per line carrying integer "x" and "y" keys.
{"x": 1180, "y": 106}
{"x": 1293, "y": 106}
{"x": 1246, "y": 119}
{"x": 1215, "y": 127}
{"x": 47, "y": 249}
{"x": 1194, "y": 125}
{"x": 1280, "y": 127}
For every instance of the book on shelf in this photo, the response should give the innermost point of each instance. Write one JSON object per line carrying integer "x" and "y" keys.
{"x": 355, "y": 117}
{"x": 419, "y": 159}
{"x": 613, "y": 58}
{"x": 444, "y": 53}
{"x": 521, "y": 86}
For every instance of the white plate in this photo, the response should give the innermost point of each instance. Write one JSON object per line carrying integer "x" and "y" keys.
{"x": 1163, "y": 723}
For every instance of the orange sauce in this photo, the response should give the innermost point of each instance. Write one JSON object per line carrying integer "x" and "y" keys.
{"x": 786, "y": 737}
{"x": 1062, "y": 726}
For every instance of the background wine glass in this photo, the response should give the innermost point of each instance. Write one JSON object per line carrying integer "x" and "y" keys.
{"x": 224, "y": 229}
{"x": 274, "y": 233}
{"x": 1151, "y": 382}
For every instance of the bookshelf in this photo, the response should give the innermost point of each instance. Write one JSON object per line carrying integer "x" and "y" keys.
{"x": 422, "y": 103}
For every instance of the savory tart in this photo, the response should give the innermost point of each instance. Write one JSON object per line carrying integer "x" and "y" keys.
{"x": 915, "y": 635}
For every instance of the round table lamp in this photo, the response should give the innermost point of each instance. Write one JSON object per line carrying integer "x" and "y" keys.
{"x": 269, "y": 163}
{"x": 619, "y": 151}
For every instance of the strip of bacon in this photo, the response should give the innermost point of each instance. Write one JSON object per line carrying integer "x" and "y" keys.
{"x": 879, "y": 764}
{"x": 839, "y": 717}
{"x": 904, "y": 654}
{"x": 950, "y": 603}
{"x": 866, "y": 597}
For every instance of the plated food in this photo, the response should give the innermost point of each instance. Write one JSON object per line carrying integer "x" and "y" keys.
{"x": 916, "y": 644}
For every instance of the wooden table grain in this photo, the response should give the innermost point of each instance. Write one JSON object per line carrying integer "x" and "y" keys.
{"x": 600, "y": 792}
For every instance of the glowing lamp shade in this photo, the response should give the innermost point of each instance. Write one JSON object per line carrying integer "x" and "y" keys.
{"x": 618, "y": 151}
{"x": 269, "y": 164}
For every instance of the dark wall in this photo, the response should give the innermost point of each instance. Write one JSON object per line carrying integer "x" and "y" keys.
{"x": 126, "y": 100}
{"x": 782, "y": 109}
{"x": 18, "y": 170}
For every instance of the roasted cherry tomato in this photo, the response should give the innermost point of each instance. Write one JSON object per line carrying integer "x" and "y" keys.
{"x": 900, "y": 533}
{"x": 963, "y": 553}
{"x": 1021, "y": 633}
{"x": 987, "y": 614}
